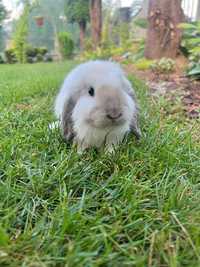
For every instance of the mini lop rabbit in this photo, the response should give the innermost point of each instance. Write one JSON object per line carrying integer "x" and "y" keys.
{"x": 96, "y": 105}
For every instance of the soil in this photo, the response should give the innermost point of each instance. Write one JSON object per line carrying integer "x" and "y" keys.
{"x": 174, "y": 85}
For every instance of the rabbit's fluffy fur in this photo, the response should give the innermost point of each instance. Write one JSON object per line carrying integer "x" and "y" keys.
{"x": 96, "y": 105}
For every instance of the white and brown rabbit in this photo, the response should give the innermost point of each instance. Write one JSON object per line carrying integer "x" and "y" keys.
{"x": 96, "y": 105}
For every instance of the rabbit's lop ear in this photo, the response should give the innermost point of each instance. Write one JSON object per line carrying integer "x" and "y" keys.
{"x": 135, "y": 126}
{"x": 135, "y": 119}
{"x": 66, "y": 119}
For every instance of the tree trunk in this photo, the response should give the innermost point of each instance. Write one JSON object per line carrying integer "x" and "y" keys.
{"x": 96, "y": 21}
{"x": 82, "y": 26}
{"x": 198, "y": 11}
{"x": 163, "y": 36}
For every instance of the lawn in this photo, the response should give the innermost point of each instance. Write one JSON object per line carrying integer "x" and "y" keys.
{"x": 139, "y": 207}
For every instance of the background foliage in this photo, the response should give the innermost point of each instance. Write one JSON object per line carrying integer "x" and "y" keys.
{"x": 77, "y": 11}
{"x": 20, "y": 39}
{"x": 191, "y": 43}
{"x": 66, "y": 44}
{"x": 2, "y": 12}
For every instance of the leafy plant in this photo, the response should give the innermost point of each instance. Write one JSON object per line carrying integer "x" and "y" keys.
{"x": 195, "y": 71}
{"x": 99, "y": 53}
{"x": 143, "y": 64}
{"x": 163, "y": 66}
{"x": 66, "y": 44}
{"x": 78, "y": 12}
{"x": 124, "y": 34}
{"x": 39, "y": 58}
{"x": 141, "y": 22}
{"x": 1, "y": 59}
{"x": 34, "y": 51}
{"x": 31, "y": 51}
{"x": 2, "y": 12}
{"x": 191, "y": 44}
{"x": 139, "y": 54}
{"x": 47, "y": 58}
{"x": 131, "y": 48}
{"x": 42, "y": 50}
{"x": 32, "y": 55}
{"x": 10, "y": 56}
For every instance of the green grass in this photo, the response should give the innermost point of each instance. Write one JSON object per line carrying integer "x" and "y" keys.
{"x": 139, "y": 207}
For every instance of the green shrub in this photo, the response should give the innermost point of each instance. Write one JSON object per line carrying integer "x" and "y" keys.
{"x": 66, "y": 44}
{"x": 194, "y": 70}
{"x": 35, "y": 54}
{"x": 143, "y": 64}
{"x": 104, "y": 53}
{"x": 99, "y": 53}
{"x": 108, "y": 50}
{"x": 47, "y": 58}
{"x": 124, "y": 35}
{"x": 88, "y": 45}
{"x": 1, "y": 60}
{"x": 133, "y": 49}
{"x": 34, "y": 51}
{"x": 32, "y": 54}
{"x": 39, "y": 58}
{"x": 163, "y": 66}
{"x": 31, "y": 60}
{"x": 139, "y": 53}
{"x": 42, "y": 50}
{"x": 191, "y": 37}
{"x": 31, "y": 51}
{"x": 10, "y": 56}
{"x": 141, "y": 23}
{"x": 191, "y": 47}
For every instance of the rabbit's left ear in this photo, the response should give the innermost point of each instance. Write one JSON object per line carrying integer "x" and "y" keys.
{"x": 66, "y": 120}
{"x": 135, "y": 119}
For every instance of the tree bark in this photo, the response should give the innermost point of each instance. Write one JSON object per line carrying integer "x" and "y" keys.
{"x": 96, "y": 21}
{"x": 82, "y": 26}
{"x": 163, "y": 36}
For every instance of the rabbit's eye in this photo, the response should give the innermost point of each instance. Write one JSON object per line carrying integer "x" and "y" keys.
{"x": 91, "y": 91}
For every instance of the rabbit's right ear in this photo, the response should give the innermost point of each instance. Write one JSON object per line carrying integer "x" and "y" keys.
{"x": 66, "y": 120}
{"x": 135, "y": 119}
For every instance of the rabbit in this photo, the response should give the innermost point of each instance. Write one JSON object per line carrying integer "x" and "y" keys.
{"x": 96, "y": 106}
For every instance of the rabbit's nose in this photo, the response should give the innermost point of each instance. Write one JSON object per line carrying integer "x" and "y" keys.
{"x": 114, "y": 115}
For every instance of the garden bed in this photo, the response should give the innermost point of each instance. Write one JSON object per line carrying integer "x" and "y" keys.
{"x": 172, "y": 86}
